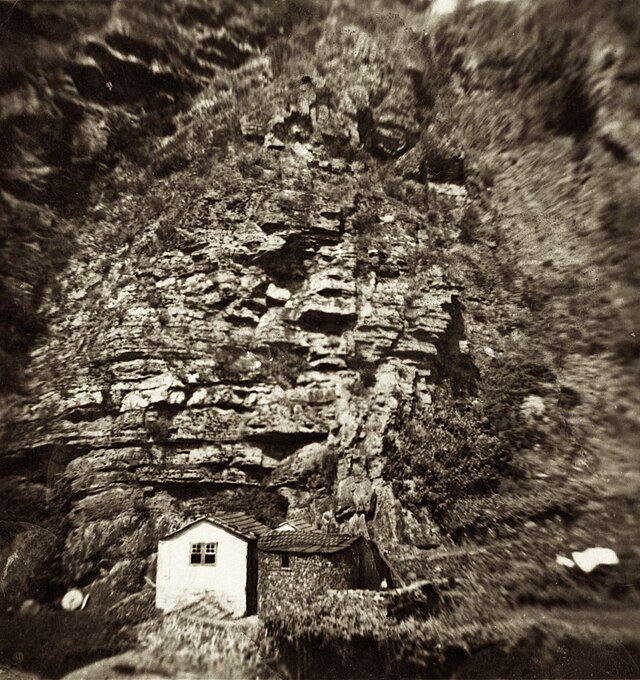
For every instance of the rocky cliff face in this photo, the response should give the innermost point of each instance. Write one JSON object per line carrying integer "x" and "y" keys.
{"x": 244, "y": 320}
{"x": 84, "y": 85}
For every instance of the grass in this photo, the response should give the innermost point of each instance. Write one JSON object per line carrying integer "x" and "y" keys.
{"x": 364, "y": 640}
{"x": 179, "y": 646}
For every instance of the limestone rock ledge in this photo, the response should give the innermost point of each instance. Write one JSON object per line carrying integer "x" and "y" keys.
{"x": 274, "y": 337}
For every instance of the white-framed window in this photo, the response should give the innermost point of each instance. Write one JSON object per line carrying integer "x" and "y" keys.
{"x": 204, "y": 553}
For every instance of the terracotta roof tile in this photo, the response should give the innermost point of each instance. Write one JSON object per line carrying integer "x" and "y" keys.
{"x": 236, "y": 522}
{"x": 242, "y": 522}
{"x": 305, "y": 542}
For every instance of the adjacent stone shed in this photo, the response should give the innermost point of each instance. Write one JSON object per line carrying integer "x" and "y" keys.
{"x": 292, "y": 564}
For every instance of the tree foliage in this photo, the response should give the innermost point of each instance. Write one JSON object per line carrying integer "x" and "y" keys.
{"x": 444, "y": 455}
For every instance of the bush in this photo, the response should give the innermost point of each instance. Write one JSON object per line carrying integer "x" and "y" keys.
{"x": 469, "y": 225}
{"x": 455, "y": 455}
{"x": 266, "y": 505}
{"x": 157, "y": 204}
{"x": 445, "y": 455}
{"x": 171, "y": 160}
{"x": 167, "y": 235}
{"x": 249, "y": 166}
{"x": 513, "y": 377}
{"x": 365, "y": 222}
{"x": 284, "y": 366}
{"x": 160, "y": 429}
{"x": 324, "y": 475}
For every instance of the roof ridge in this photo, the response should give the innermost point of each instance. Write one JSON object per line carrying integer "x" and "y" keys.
{"x": 225, "y": 520}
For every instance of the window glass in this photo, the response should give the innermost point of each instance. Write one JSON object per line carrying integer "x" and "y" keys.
{"x": 196, "y": 553}
{"x": 203, "y": 553}
{"x": 210, "y": 553}
{"x": 284, "y": 561}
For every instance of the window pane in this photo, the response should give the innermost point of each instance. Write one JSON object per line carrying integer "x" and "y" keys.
{"x": 196, "y": 553}
{"x": 210, "y": 550}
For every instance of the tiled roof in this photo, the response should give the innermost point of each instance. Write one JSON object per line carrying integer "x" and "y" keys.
{"x": 305, "y": 542}
{"x": 235, "y": 522}
{"x": 242, "y": 522}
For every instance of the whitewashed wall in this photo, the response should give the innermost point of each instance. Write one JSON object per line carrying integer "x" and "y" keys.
{"x": 178, "y": 582}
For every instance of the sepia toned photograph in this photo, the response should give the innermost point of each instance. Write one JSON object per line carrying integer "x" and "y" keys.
{"x": 319, "y": 339}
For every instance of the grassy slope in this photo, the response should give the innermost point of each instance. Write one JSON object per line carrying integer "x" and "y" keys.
{"x": 561, "y": 208}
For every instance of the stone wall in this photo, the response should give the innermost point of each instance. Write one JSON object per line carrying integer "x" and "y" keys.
{"x": 306, "y": 574}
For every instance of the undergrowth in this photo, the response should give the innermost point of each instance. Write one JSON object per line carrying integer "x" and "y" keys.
{"x": 455, "y": 456}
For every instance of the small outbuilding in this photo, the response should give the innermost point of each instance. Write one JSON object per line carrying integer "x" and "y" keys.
{"x": 295, "y": 525}
{"x": 292, "y": 564}
{"x": 214, "y": 556}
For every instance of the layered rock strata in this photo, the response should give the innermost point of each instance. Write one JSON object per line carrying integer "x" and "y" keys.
{"x": 269, "y": 343}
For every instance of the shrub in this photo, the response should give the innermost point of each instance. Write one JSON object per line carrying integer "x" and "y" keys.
{"x": 249, "y": 166}
{"x": 627, "y": 349}
{"x": 154, "y": 299}
{"x": 284, "y": 366}
{"x": 160, "y": 428}
{"x": 170, "y": 161}
{"x": 324, "y": 475}
{"x": 157, "y": 205}
{"x": 393, "y": 187}
{"x": 445, "y": 455}
{"x": 513, "y": 377}
{"x": 266, "y": 505}
{"x": 367, "y": 372}
{"x": 365, "y": 222}
{"x": 167, "y": 235}
{"x": 455, "y": 455}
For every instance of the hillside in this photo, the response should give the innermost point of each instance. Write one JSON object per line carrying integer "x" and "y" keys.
{"x": 357, "y": 265}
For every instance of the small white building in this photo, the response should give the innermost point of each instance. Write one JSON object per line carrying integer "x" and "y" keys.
{"x": 213, "y": 556}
